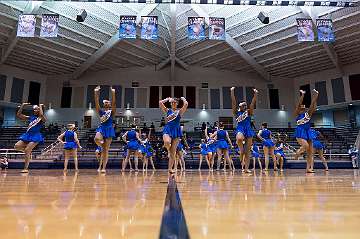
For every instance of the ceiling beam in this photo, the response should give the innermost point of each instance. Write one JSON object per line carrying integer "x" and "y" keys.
{"x": 108, "y": 45}
{"x": 236, "y": 46}
{"x": 31, "y": 7}
{"x": 173, "y": 41}
{"x": 327, "y": 45}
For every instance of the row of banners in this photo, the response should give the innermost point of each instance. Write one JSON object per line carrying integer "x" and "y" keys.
{"x": 324, "y": 27}
{"x": 196, "y": 28}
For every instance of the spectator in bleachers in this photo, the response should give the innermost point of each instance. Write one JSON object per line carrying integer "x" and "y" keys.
{"x": 354, "y": 155}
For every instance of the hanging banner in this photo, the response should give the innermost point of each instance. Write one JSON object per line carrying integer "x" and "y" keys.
{"x": 127, "y": 28}
{"x": 305, "y": 30}
{"x": 49, "y": 25}
{"x": 196, "y": 28}
{"x": 149, "y": 27}
{"x": 216, "y": 28}
{"x": 325, "y": 30}
{"x": 26, "y": 26}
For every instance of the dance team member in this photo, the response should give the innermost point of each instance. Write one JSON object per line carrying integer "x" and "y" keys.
{"x": 256, "y": 156}
{"x": 133, "y": 141}
{"x": 105, "y": 132}
{"x": 268, "y": 145}
{"x": 32, "y": 137}
{"x": 318, "y": 146}
{"x": 172, "y": 130}
{"x": 244, "y": 131}
{"x": 71, "y": 143}
{"x": 223, "y": 144}
{"x": 204, "y": 153}
{"x": 302, "y": 131}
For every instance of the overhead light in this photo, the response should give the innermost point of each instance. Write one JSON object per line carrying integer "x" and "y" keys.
{"x": 264, "y": 18}
{"x": 282, "y": 107}
{"x": 350, "y": 104}
{"x": 89, "y": 105}
{"x": 50, "y": 106}
{"x": 128, "y": 106}
{"x": 203, "y": 107}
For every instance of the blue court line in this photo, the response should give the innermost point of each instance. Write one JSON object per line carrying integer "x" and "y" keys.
{"x": 173, "y": 224}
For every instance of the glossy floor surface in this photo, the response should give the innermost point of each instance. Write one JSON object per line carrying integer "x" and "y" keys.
{"x": 49, "y": 204}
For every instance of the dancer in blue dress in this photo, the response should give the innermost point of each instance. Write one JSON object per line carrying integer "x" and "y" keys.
{"x": 71, "y": 143}
{"x": 172, "y": 130}
{"x": 32, "y": 137}
{"x": 316, "y": 136}
{"x": 105, "y": 132}
{"x": 279, "y": 152}
{"x": 244, "y": 131}
{"x": 204, "y": 153}
{"x": 223, "y": 144}
{"x": 255, "y": 155}
{"x": 302, "y": 131}
{"x": 98, "y": 157}
{"x": 133, "y": 142}
{"x": 211, "y": 146}
{"x": 180, "y": 151}
{"x": 268, "y": 146}
{"x": 149, "y": 152}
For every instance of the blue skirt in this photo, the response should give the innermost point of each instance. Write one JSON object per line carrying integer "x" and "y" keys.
{"x": 302, "y": 133}
{"x": 281, "y": 152}
{"x": 149, "y": 153}
{"x": 317, "y": 144}
{"x": 268, "y": 143}
{"x": 246, "y": 131}
{"x": 212, "y": 148}
{"x": 70, "y": 145}
{"x": 255, "y": 155}
{"x": 133, "y": 145}
{"x": 180, "y": 147}
{"x": 222, "y": 144}
{"x": 204, "y": 152}
{"x": 106, "y": 131}
{"x": 173, "y": 132}
{"x": 32, "y": 137}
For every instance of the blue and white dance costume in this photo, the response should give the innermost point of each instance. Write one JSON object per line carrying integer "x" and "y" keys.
{"x": 203, "y": 149}
{"x": 279, "y": 149}
{"x": 302, "y": 130}
{"x": 33, "y": 131}
{"x": 69, "y": 138}
{"x": 222, "y": 143}
{"x": 172, "y": 126}
{"x": 315, "y": 139}
{"x": 211, "y": 146}
{"x": 98, "y": 149}
{"x": 255, "y": 151}
{"x": 266, "y": 135}
{"x": 106, "y": 128}
{"x": 133, "y": 142}
{"x": 149, "y": 150}
{"x": 180, "y": 146}
{"x": 243, "y": 120}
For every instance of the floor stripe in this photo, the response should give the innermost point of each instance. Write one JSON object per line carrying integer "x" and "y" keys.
{"x": 173, "y": 224}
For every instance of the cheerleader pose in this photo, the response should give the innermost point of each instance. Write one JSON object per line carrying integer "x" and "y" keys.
{"x": 29, "y": 140}
{"x": 256, "y": 156}
{"x": 204, "y": 153}
{"x": 71, "y": 143}
{"x": 279, "y": 153}
{"x": 244, "y": 132}
{"x": 172, "y": 130}
{"x": 223, "y": 144}
{"x": 132, "y": 139}
{"x": 105, "y": 132}
{"x": 318, "y": 146}
{"x": 268, "y": 146}
{"x": 149, "y": 153}
{"x": 98, "y": 157}
{"x": 302, "y": 131}
{"x": 212, "y": 148}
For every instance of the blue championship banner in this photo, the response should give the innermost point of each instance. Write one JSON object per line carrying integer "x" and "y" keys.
{"x": 196, "y": 28}
{"x": 149, "y": 28}
{"x": 26, "y": 26}
{"x": 216, "y": 28}
{"x": 305, "y": 30}
{"x": 325, "y": 30}
{"x": 127, "y": 28}
{"x": 49, "y": 25}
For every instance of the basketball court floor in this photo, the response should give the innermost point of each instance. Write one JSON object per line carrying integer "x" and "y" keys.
{"x": 49, "y": 204}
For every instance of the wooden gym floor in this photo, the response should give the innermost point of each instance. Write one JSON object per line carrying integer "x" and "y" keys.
{"x": 49, "y": 204}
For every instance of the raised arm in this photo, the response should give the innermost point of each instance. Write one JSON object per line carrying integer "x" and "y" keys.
{"x": 313, "y": 104}
{"x": 253, "y": 102}
{"x": 41, "y": 113}
{"x": 185, "y": 106}
{"x": 149, "y": 134}
{"x": 113, "y": 100}
{"x": 162, "y": 104}
{"x": 97, "y": 98}
{"x": 300, "y": 102}
{"x": 259, "y": 135}
{"x": 206, "y": 133}
{"x": 61, "y": 137}
{"x": 77, "y": 140}
{"x": 19, "y": 113}
{"x": 233, "y": 101}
